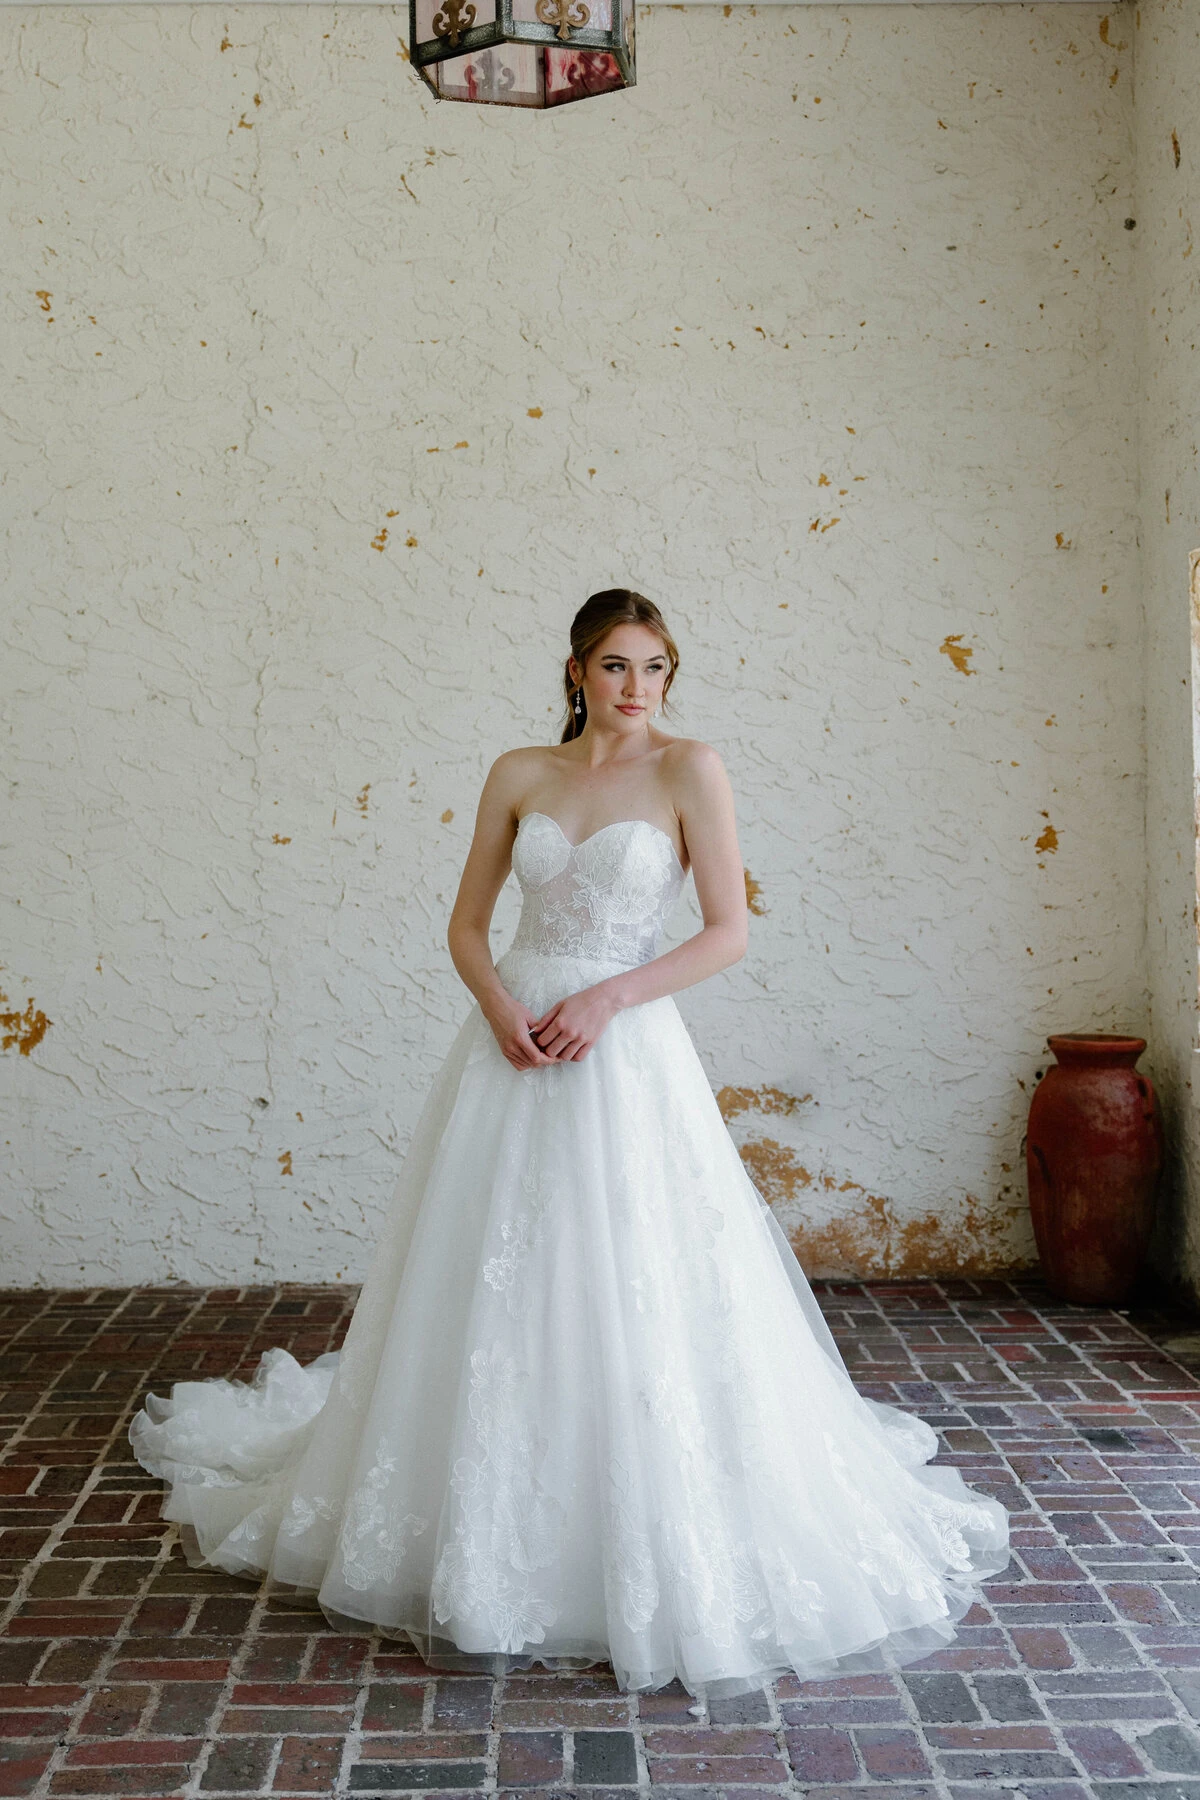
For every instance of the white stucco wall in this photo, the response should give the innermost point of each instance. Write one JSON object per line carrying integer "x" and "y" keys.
{"x": 1167, "y": 50}
{"x": 327, "y": 407}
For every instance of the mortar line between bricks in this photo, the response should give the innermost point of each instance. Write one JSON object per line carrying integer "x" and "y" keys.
{"x": 778, "y": 1731}
{"x": 428, "y": 1700}
{"x": 307, "y": 1657}
{"x": 491, "y": 1779}
{"x": 273, "y": 1762}
{"x": 352, "y": 1741}
{"x": 637, "y": 1726}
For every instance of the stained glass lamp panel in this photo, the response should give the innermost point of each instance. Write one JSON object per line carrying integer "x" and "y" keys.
{"x": 523, "y": 52}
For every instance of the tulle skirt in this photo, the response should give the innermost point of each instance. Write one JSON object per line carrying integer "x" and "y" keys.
{"x": 587, "y": 1409}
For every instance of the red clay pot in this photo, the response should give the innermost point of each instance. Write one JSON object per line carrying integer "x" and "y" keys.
{"x": 1093, "y": 1153}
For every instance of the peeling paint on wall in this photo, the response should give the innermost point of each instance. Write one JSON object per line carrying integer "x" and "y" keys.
{"x": 23, "y": 1030}
{"x": 734, "y": 1101}
{"x": 852, "y": 1232}
{"x": 959, "y": 653}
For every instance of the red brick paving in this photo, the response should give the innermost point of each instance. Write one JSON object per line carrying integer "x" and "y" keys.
{"x": 123, "y": 1672}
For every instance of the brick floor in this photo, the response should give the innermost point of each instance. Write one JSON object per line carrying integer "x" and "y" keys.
{"x": 123, "y": 1672}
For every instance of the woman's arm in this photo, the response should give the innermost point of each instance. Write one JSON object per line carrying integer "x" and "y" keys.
{"x": 484, "y": 873}
{"x": 704, "y": 803}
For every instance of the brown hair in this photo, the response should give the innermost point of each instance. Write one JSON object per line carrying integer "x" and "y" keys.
{"x": 595, "y": 619}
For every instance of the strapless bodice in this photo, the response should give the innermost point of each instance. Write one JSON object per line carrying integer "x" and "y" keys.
{"x": 607, "y": 898}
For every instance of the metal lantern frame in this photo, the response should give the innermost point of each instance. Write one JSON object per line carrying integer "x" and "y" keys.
{"x": 561, "y": 26}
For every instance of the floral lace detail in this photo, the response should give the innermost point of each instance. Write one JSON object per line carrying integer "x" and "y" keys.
{"x": 507, "y": 1525}
{"x": 375, "y": 1533}
{"x": 248, "y": 1536}
{"x": 303, "y": 1512}
{"x": 605, "y": 899}
{"x": 711, "y": 1598}
{"x": 947, "y": 1519}
{"x": 892, "y": 1560}
{"x": 630, "y": 1581}
{"x": 796, "y": 1604}
{"x": 691, "y": 1581}
{"x": 519, "y": 1234}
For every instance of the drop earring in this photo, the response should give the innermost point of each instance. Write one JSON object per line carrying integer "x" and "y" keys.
{"x": 578, "y": 704}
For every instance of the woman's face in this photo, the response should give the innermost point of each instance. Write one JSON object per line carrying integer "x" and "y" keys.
{"x": 623, "y": 681}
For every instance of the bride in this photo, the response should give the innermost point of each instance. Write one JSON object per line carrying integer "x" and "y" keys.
{"x": 587, "y": 1409}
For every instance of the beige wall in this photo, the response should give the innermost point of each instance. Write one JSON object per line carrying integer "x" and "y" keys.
{"x": 326, "y": 408}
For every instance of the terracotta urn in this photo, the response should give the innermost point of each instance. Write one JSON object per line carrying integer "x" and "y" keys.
{"x": 1093, "y": 1153}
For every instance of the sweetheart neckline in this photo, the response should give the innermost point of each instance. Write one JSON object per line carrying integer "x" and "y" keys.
{"x": 613, "y": 823}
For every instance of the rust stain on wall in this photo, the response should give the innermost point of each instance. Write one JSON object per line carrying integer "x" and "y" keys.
{"x": 1048, "y": 840}
{"x": 360, "y": 799}
{"x": 960, "y": 654}
{"x": 868, "y": 1241}
{"x": 753, "y": 895}
{"x": 736, "y": 1100}
{"x": 24, "y": 1029}
{"x": 285, "y": 1163}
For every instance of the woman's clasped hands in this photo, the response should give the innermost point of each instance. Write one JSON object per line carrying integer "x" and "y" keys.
{"x": 564, "y": 1033}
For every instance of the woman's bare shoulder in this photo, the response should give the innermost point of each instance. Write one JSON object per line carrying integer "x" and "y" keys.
{"x": 513, "y": 770}
{"x": 524, "y": 756}
{"x": 691, "y": 758}
{"x": 696, "y": 778}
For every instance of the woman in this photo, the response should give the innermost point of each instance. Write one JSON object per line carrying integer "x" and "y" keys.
{"x": 587, "y": 1409}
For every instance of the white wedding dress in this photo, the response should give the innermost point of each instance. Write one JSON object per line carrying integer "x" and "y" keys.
{"x": 587, "y": 1408}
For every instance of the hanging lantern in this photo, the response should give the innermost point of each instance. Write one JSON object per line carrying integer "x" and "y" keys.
{"x": 522, "y": 52}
